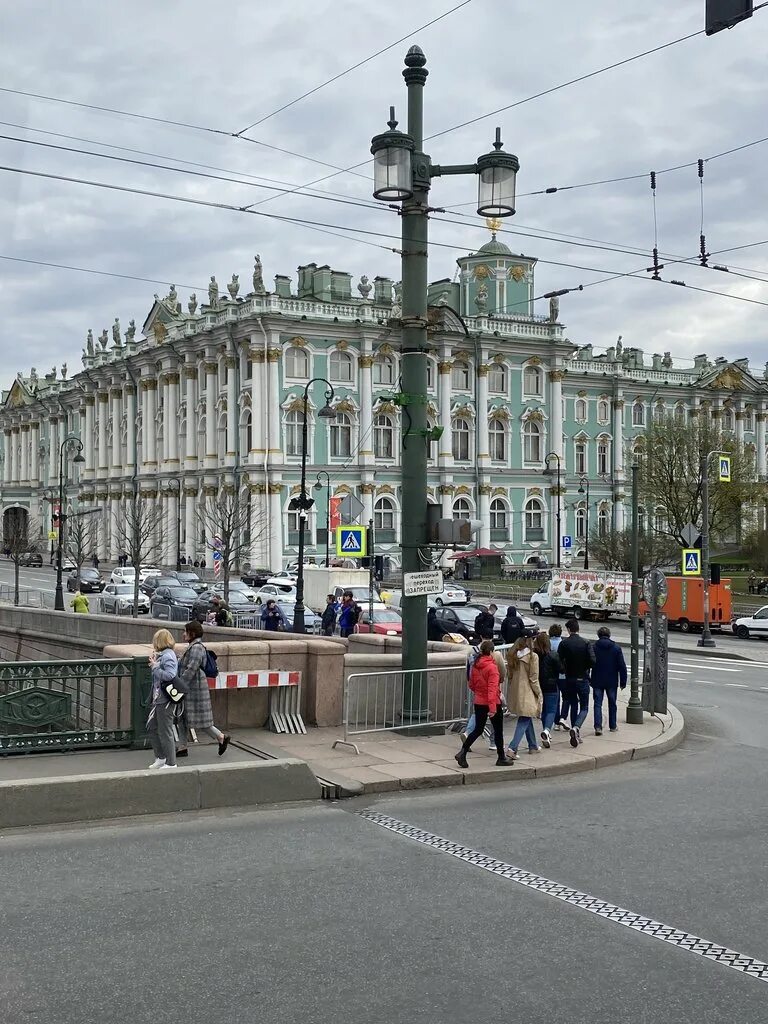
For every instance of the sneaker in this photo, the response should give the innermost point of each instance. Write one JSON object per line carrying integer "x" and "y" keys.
{"x": 159, "y": 762}
{"x": 504, "y": 762}
{"x": 578, "y": 735}
{"x": 492, "y": 746}
{"x": 160, "y": 767}
{"x": 534, "y": 750}
{"x": 546, "y": 739}
{"x": 511, "y": 754}
{"x": 615, "y": 728}
{"x": 574, "y": 737}
{"x": 598, "y": 730}
{"x": 563, "y": 725}
{"x": 461, "y": 759}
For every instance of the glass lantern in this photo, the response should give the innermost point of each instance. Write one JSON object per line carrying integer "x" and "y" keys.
{"x": 497, "y": 178}
{"x": 392, "y": 180}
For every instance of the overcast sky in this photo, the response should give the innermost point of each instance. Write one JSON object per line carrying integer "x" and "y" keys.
{"x": 226, "y": 65}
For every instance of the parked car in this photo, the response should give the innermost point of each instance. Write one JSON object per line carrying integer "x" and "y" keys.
{"x": 191, "y": 579}
{"x": 282, "y": 591}
{"x": 91, "y": 581}
{"x": 117, "y": 599}
{"x": 461, "y": 619}
{"x": 32, "y": 559}
{"x": 311, "y": 620}
{"x": 151, "y": 583}
{"x": 450, "y": 594}
{"x": 123, "y": 574}
{"x": 531, "y": 625}
{"x": 171, "y": 597}
{"x": 151, "y": 570}
{"x": 386, "y": 622}
{"x": 235, "y": 586}
{"x": 256, "y": 577}
{"x": 283, "y": 579}
{"x": 237, "y": 604}
{"x": 752, "y": 625}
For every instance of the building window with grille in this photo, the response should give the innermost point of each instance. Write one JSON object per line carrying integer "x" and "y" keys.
{"x": 499, "y": 521}
{"x": 727, "y": 418}
{"x": 341, "y": 436}
{"x": 383, "y": 437}
{"x": 462, "y": 509}
{"x": 532, "y": 442}
{"x": 603, "y": 457}
{"x": 581, "y": 523}
{"x": 603, "y": 521}
{"x": 532, "y": 381}
{"x": 659, "y": 412}
{"x": 296, "y": 363}
{"x": 497, "y": 379}
{"x": 460, "y": 375}
{"x": 749, "y": 418}
{"x": 638, "y": 415}
{"x": 603, "y": 411}
{"x": 340, "y": 367}
{"x": 461, "y": 446}
{"x": 581, "y": 457}
{"x": 294, "y": 422}
{"x": 384, "y": 370}
{"x": 580, "y": 410}
{"x": 534, "y": 520}
{"x": 497, "y": 440}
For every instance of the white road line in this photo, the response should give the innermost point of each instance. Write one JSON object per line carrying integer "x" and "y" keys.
{"x": 608, "y": 911}
{"x": 741, "y": 686}
{"x": 717, "y": 668}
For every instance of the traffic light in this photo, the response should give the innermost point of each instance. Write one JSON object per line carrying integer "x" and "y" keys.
{"x": 722, "y": 14}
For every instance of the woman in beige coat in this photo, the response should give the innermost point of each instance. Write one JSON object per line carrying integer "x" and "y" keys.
{"x": 524, "y": 697}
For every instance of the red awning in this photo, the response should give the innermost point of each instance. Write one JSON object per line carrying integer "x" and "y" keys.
{"x": 478, "y": 553}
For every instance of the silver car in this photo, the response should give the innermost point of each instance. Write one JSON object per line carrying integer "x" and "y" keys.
{"x": 117, "y": 599}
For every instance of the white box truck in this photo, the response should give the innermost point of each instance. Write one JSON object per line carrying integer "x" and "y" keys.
{"x": 319, "y": 582}
{"x": 582, "y": 592}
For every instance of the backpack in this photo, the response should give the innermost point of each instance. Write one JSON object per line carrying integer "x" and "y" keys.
{"x": 210, "y": 665}
{"x": 474, "y": 655}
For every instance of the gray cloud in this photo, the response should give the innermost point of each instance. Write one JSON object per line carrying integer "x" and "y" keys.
{"x": 226, "y": 66}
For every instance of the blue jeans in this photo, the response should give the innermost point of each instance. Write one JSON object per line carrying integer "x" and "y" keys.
{"x": 576, "y": 693}
{"x": 564, "y": 704}
{"x": 549, "y": 709}
{"x": 524, "y": 726}
{"x": 597, "y": 696}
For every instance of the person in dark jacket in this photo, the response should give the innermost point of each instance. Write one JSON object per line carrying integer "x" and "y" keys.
{"x": 609, "y": 673}
{"x": 512, "y": 628}
{"x": 577, "y": 658}
{"x": 349, "y": 613}
{"x": 435, "y": 629}
{"x": 485, "y": 623}
{"x": 549, "y": 672}
{"x": 272, "y": 617}
{"x": 331, "y": 610}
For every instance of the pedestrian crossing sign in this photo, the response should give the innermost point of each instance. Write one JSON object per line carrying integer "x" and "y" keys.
{"x": 691, "y": 562}
{"x": 725, "y": 469}
{"x": 351, "y": 541}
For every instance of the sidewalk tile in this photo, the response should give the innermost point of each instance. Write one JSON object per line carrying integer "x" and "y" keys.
{"x": 420, "y": 775}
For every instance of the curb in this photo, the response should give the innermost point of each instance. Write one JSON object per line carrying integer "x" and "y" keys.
{"x": 672, "y": 737}
{"x": 705, "y": 652}
{"x": 106, "y": 795}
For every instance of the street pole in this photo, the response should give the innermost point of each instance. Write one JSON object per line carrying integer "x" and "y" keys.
{"x": 635, "y": 708}
{"x": 706, "y": 639}
{"x": 318, "y": 486}
{"x": 77, "y": 445}
{"x": 371, "y": 572}
{"x": 178, "y": 525}
{"x": 548, "y": 472}
{"x": 584, "y": 488}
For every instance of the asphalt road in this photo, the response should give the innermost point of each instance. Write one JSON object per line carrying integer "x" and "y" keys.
{"x": 315, "y": 913}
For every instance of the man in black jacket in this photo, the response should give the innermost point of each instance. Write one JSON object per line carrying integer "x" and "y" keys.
{"x": 485, "y": 623}
{"x": 577, "y": 658}
{"x": 513, "y": 627}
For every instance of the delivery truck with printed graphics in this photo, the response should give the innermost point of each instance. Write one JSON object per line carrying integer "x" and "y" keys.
{"x": 583, "y": 593}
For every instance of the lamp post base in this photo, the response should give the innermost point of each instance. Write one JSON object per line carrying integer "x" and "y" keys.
{"x": 706, "y": 641}
{"x": 635, "y": 714}
{"x": 58, "y": 601}
{"x": 417, "y": 723}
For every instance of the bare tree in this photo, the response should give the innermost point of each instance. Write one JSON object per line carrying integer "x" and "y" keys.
{"x": 139, "y": 528}
{"x": 79, "y": 539}
{"x": 229, "y": 528}
{"x": 20, "y": 535}
{"x": 613, "y": 550}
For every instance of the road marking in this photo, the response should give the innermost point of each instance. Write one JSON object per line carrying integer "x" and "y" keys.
{"x": 717, "y": 668}
{"x": 647, "y": 926}
{"x": 741, "y": 686}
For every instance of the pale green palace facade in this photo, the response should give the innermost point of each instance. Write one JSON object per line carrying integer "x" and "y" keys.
{"x": 211, "y": 395}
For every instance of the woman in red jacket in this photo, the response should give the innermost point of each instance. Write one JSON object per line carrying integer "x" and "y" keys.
{"x": 485, "y": 684}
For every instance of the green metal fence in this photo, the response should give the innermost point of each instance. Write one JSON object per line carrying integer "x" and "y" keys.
{"x": 48, "y": 706}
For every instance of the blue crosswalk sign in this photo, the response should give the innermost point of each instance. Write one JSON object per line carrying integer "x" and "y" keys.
{"x": 352, "y": 541}
{"x": 691, "y": 562}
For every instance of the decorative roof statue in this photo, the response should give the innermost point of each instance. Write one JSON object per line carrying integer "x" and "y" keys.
{"x": 33, "y": 377}
{"x": 130, "y": 334}
{"x": 172, "y": 299}
{"x": 213, "y": 293}
{"x": 619, "y": 347}
{"x": 116, "y": 333}
{"x": 481, "y": 299}
{"x": 364, "y": 287}
{"x": 258, "y": 277}
{"x": 444, "y": 299}
{"x": 554, "y": 309}
{"x": 192, "y": 304}
{"x": 666, "y": 362}
{"x": 104, "y": 339}
{"x": 52, "y": 373}
{"x": 234, "y": 287}
{"x": 397, "y": 300}
{"x": 89, "y": 343}
{"x": 63, "y": 371}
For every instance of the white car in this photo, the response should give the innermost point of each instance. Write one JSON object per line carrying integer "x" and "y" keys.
{"x": 117, "y": 599}
{"x": 149, "y": 570}
{"x": 752, "y": 625}
{"x": 282, "y": 579}
{"x": 123, "y": 574}
{"x": 235, "y": 585}
{"x": 450, "y": 594}
{"x": 278, "y": 591}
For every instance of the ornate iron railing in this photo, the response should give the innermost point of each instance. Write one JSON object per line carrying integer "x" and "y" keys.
{"x": 73, "y": 705}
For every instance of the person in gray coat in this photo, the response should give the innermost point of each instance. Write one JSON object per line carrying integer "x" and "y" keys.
{"x": 198, "y": 713}
{"x": 163, "y": 711}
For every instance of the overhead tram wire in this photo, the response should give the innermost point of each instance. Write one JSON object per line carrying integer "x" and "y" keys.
{"x": 99, "y": 273}
{"x": 354, "y": 67}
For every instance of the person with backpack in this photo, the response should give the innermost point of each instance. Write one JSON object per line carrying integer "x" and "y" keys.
{"x": 195, "y": 664}
{"x": 512, "y": 626}
{"x": 485, "y": 684}
{"x": 485, "y": 623}
{"x": 166, "y": 705}
{"x": 577, "y": 658}
{"x": 555, "y": 636}
{"x": 609, "y": 672}
{"x": 328, "y": 620}
{"x": 349, "y": 613}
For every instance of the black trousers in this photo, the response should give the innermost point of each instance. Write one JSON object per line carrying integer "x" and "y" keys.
{"x": 497, "y": 721}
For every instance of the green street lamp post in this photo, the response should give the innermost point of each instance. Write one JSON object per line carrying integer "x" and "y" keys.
{"x": 302, "y": 503}
{"x": 319, "y": 487}
{"x": 634, "y": 707}
{"x": 584, "y": 489}
{"x": 71, "y": 443}
{"x": 403, "y": 174}
{"x": 706, "y": 639}
{"x": 548, "y": 472}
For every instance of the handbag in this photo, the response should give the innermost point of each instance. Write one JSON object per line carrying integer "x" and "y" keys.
{"x": 173, "y": 690}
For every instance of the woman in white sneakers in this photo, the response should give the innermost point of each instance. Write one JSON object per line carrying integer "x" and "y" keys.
{"x": 163, "y": 710}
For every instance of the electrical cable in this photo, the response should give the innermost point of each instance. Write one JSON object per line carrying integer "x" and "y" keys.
{"x": 341, "y": 74}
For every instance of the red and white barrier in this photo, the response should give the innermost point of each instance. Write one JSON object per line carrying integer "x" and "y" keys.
{"x": 284, "y": 696}
{"x": 245, "y": 680}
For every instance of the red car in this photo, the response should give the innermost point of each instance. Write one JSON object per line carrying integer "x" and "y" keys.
{"x": 386, "y": 622}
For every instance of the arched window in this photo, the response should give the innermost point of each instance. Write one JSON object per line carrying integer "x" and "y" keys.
{"x": 580, "y": 452}
{"x": 641, "y": 520}
{"x": 679, "y": 413}
{"x": 341, "y": 436}
{"x": 532, "y": 381}
{"x": 603, "y": 456}
{"x": 638, "y": 415}
{"x": 749, "y": 418}
{"x": 603, "y": 520}
{"x": 384, "y": 370}
{"x": 460, "y": 376}
{"x": 659, "y": 412}
{"x": 296, "y": 363}
{"x": 246, "y": 432}
{"x": 727, "y": 418}
{"x": 499, "y": 520}
{"x": 603, "y": 411}
{"x": 497, "y": 440}
{"x": 383, "y": 437}
{"x": 430, "y": 375}
{"x": 659, "y": 520}
{"x": 580, "y": 410}
{"x": 581, "y": 522}
{"x": 384, "y": 520}
{"x": 532, "y": 442}
{"x": 462, "y": 509}
{"x": 340, "y": 366}
{"x": 497, "y": 379}
{"x": 294, "y": 422}
{"x": 534, "y": 519}
{"x": 461, "y": 440}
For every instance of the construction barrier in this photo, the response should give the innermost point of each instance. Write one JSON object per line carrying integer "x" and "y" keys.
{"x": 284, "y": 696}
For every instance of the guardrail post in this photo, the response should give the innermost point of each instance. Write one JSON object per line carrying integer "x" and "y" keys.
{"x": 141, "y": 691}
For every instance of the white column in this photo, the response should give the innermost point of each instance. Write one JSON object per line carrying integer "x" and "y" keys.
{"x": 103, "y": 414}
{"x": 618, "y": 437}
{"x": 366, "y": 496}
{"x": 276, "y": 525}
{"x": 365, "y": 364}
{"x": 555, "y": 441}
{"x": 117, "y": 410}
{"x": 275, "y": 446}
{"x": 7, "y": 455}
{"x": 24, "y": 438}
{"x": 171, "y": 426}
{"x": 150, "y": 423}
{"x": 190, "y": 441}
{"x": 739, "y": 414}
{"x": 232, "y": 410}
{"x": 130, "y": 423}
{"x": 761, "y": 458}
{"x": 260, "y": 539}
{"x": 16, "y": 464}
{"x": 484, "y": 513}
{"x": 114, "y": 539}
{"x": 103, "y": 526}
{"x": 211, "y": 455}
{"x": 164, "y": 384}
{"x": 53, "y": 449}
{"x": 481, "y": 420}
{"x": 90, "y": 461}
{"x": 34, "y": 453}
{"x": 190, "y": 524}
{"x": 258, "y": 390}
{"x": 445, "y": 455}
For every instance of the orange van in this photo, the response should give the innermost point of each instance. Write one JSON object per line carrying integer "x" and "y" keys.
{"x": 685, "y": 605}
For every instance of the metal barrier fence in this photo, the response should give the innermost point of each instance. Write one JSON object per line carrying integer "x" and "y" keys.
{"x": 27, "y": 597}
{"x": 73, "y": 705}
{"x": 170, "y": 612}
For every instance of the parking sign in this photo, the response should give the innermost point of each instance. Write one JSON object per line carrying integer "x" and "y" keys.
{"x": 567, "y": 542}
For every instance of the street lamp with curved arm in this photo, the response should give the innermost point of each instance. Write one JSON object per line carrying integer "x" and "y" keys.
{"x": 302, "y": 503}
{"x": 71, "y": 443}
{"x": 548, "y": 472}
{"x": 584, "y": 489}
{"x": 319, "y": 487}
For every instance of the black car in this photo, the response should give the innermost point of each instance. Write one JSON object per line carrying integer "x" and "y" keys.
{"x": 170, "y": 602}
{"x": 32, "y": 559}
{"x": 458, "y": 619}
{"x": 191, "y": 579}
{"x": 151, "y": 583}
{"x": 90, "y": 581}
{"x": 256, "y": 577}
